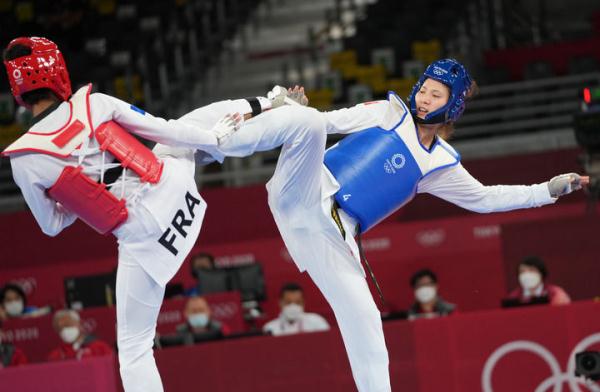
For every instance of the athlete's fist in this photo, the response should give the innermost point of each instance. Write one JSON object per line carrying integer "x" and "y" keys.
{"x": 226, "y": 126}
{"x": 566, "y": 183}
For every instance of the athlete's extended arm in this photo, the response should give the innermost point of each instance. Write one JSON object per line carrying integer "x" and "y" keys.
{"x": 457, "y": 186}
{"x": 176, "y": 133}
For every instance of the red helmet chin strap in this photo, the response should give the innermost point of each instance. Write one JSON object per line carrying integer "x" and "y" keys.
{"x": 43, "y": 68}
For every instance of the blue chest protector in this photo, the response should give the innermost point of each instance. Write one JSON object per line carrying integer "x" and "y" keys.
{"x": 377, "y": 174}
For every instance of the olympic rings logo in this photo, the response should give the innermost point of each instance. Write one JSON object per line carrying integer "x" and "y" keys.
{"x": 396, "y": 162}
{"x": 557, "y": 378}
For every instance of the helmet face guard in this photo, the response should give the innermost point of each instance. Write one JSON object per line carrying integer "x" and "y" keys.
{"x": 43, "y": 68}
{"x": 453, "y": 75}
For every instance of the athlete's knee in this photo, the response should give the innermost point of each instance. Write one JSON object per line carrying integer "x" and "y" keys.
{"x": 301, "y": 123}
{"x": 310, "y": 119}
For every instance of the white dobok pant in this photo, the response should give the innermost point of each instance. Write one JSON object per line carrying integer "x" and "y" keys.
{"x": 144, "y": 267}
{"x": 139, "y": 298}
{"x": 301, "y": 208}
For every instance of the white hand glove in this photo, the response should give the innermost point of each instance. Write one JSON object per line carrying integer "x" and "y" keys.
{"x": 279, "y": 96}
{"x": 226, "y": 126}
{"x": 566, "y": 183}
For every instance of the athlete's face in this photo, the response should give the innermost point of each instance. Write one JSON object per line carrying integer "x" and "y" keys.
{"x": 432, "y": 96}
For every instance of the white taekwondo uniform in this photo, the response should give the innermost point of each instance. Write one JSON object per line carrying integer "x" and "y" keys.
{"x": 301, "y": 193}
{"x": 144, "y": 265}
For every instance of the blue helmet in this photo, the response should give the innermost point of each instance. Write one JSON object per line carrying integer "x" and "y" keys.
{"x": 454, "y": 75}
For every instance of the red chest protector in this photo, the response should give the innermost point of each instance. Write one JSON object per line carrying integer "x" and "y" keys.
{"x": 76, "y": 191}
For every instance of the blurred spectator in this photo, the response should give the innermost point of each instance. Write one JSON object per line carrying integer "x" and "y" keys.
{"x": 428, "y": 303}
{"x": 532, "y": 274}
{"x": 14, "y": 303}
{"x": 200, "y": 261}
{"x": 293, "y": 319}
{"x": 9, "y": 354}
{"x": 200, "y": 325}
{"x": 75, "y": 343}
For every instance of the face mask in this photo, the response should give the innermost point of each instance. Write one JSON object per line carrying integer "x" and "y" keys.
{"x": 14, "y": 308}
{"x": 529, "y": 279}
{"x": 69, "y": 334}
{"x": 425, "y": 294}
{"x": 292, "y": 312}
{"x": 198, "y": 320}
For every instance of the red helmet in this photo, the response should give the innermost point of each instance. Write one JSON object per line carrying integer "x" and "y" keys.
{"x": 43, "y": 68}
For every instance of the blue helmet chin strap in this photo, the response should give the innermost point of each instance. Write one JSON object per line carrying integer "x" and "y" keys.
{"x": 452, "y": 74}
